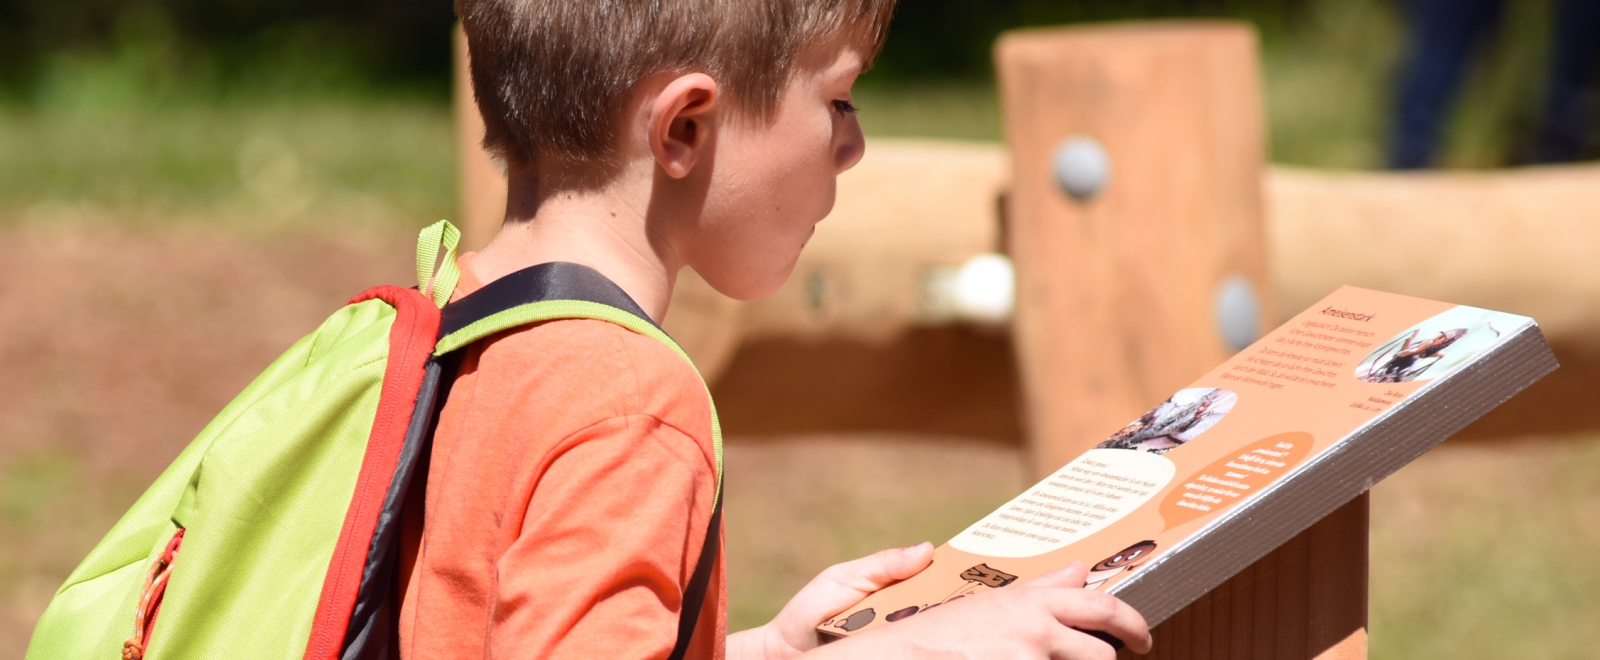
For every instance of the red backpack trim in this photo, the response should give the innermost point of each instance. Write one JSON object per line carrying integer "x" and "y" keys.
{"x": 411, "y": 342}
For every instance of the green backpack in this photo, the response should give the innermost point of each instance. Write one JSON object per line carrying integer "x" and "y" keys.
{"x": 275, "y": 533}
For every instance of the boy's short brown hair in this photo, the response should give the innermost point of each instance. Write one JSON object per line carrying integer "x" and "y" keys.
{"x": 551, "y": 76}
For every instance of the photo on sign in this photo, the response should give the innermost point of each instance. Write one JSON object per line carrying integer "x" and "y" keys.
{"x": 1179, "y": 419}
{"x": 1432, "y": 348}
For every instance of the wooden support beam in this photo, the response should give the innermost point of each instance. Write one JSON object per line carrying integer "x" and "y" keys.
{"x": 1119, "y": 281}
{"x": 1519, "y": 240}
{"x": 1307, "y": 599}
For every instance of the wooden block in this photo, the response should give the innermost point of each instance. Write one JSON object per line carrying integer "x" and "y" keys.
{"x": 1337, "y": 569}
{"x": 1307, "y": 599}
{"x": 1115, "y": 294}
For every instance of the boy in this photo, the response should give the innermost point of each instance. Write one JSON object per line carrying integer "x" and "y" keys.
{"x": 573, "y": 471}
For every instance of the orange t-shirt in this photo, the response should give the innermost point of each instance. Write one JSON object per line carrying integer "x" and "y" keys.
{"x": 572, "y": 477}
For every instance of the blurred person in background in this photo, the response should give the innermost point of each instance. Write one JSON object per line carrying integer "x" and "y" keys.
{"x": 1443, "y": 35}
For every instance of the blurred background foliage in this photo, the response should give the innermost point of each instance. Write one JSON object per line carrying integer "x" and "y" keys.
{"x": 80, "y": 52}
{"x": 50, "y": 48}
{"x": 261, "y": 109}
{"x": 172, "y": 109}
{"x": 1327, "y": 62}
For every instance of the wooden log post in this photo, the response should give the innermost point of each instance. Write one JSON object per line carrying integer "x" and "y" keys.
{"x": 1519, "y": 240}
{"x": 1136, "y": 226}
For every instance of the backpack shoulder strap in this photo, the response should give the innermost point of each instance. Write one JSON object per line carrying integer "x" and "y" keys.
{"x": 545, "y": 283}
{"x": 561, "y": 290}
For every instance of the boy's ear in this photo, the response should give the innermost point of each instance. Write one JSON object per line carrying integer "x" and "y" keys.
{"x": 681, "y": 122}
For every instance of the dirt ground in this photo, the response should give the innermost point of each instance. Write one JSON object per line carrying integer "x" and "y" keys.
{"x": 119, "y": 343}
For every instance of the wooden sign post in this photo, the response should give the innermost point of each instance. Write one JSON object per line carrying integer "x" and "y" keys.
{"x": 1135, "y": 223}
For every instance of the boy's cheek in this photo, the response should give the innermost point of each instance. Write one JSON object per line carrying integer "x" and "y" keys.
{"x": 761, "y": 223}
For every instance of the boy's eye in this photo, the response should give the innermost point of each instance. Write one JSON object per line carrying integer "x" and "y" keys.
{"x": 844, "y": 107}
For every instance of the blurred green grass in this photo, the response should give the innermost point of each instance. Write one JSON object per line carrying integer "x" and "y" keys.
{"x": 1489, "y": 551}
{"x": 256, "y": 164}
{"x": 89, "y": 143}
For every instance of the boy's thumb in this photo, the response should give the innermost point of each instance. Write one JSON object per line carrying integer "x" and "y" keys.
{"x": 880, "y": 569}
{"x": 912, "y": 560}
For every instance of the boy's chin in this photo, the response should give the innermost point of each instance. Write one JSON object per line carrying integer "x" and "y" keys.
{"x": 745, "y": 285}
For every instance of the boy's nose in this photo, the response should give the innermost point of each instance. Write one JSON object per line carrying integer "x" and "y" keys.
{"x": 850, "y": 146}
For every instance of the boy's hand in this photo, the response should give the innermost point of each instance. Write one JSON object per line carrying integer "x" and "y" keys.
{"x": 794, "y": 630}
{"x": 1032, "y": 620}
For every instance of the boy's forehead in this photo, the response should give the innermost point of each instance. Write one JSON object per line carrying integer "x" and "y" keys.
{"x": 833, "y": 60}
{"x": 844, "y": 54}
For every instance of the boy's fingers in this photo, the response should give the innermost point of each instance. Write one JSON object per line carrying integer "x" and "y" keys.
{"x": 1074, "y": 645}
{"x": 1092, "y": 610}
{"x": 1072, "y": 577}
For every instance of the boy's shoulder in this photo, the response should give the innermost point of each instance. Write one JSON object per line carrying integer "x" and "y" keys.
{"x": 567, "y": 374}
{"x": 595, "y": 368}
{"x": 603, "y": 349}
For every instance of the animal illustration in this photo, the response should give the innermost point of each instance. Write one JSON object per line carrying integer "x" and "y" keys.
{"x": 982, "y": 576}
{"x": 1169, "y": 425}
{"x": 1401, "y": 361}
{"x": 988, "y": 576}
{"x": 977, "y": 578}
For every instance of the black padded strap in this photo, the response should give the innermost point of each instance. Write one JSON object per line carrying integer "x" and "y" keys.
{"x": 694, "y": 596}
{"x": 556, "y": 280}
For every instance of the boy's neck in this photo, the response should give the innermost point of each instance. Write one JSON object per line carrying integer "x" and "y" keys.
{"x": 606, "y": 229}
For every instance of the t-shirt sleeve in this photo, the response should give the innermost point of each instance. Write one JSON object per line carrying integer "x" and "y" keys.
{"x": 610, "y": 538}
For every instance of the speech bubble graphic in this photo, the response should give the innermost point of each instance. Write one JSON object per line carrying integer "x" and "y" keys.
{"x": 1093, "y": 491}
{"x": 1234, "y": 477}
